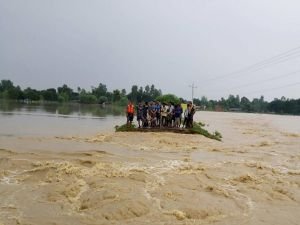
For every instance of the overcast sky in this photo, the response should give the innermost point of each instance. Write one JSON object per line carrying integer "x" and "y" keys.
{"x": 168, "y": 43}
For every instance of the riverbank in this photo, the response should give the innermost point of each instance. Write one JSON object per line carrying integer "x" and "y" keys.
{"x": 251, "y": 177}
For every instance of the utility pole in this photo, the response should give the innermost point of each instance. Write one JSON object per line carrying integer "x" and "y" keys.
{"x": 193, "y": 87}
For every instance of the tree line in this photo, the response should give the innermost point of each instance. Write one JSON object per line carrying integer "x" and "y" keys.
{"x": 100, "y": 94}
{"x": 235, "y": 103}
{"x": 97, "y": 95}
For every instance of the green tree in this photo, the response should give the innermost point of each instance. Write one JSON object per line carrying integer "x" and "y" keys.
{"x": 49, "y": 94}
{"x": 6, "y": 85}
{"x": 223, "y": 104}
{"x": 102, "y": 99}
{"x": 197, "y": 101}
{"x": 233, "y": 102}
{"x": 123, "y": 92}
{"x": 168, "y": 98}
{"x": 87, "y": 98}
{"x": 15, "y": 93}
{"x": 123, "y": 101}
{"x": 109, "y": 96}
{"x": 276, "y": 106}
{"x": 32, "y": 94}
{"x": 147, "y": 89}
{"x": 64, "y": 93}
{"x": 259, "y": 105}
{"x": 101, "y": 90}
{"x": 154, "y": 93}
{"x": 140, "y": 94}
{"x": 262, "y": 104}
{"x": 245, "y": 104}
{"x": 116, "y": 95}
{"x": 204, "y": 100}
{"x": 9, "y": 91}
{"x": 133, "y": 95}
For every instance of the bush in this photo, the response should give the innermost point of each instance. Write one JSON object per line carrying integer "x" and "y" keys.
{"x": 125, "y": 128}
{"x": 197, "y": 129}
{"x": 63, "y": 97}
{"x": 218, "y": 134}
{"x": 168, "y": 98}
{"x": 102, "y": 99}
{"x": 123, "y": 101}
{"x": 87, "y": 99}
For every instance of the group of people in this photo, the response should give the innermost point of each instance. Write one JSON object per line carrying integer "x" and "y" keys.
{"x": 156, "y": 114}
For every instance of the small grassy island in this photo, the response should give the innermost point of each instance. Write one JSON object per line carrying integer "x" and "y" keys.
{"x": 196, "y": 129}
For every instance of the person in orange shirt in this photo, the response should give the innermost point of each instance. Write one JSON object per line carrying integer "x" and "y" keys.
{"x": 130, "y": 113}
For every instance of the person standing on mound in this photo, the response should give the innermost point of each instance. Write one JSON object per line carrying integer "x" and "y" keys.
{"x": 139, "y": 114}
{"x": 130, "y": 113}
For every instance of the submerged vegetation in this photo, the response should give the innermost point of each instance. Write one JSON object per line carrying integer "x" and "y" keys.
{"x": 100, "y": 94}
{"x": 125, "y": 127}
{"x": 196, "y": 129}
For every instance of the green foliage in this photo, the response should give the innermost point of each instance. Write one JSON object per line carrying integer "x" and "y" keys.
{"x": 32, "y": 94}
{"x": 148, "y": 93}
{"x": 125, "y": 128}
{"x": 65, "y": 93}
{"x": 233, "y": 103}
{"x": 9, "y": 91}
{"x": 197, "y": 129}
{"x": 133, "y": 95}
{"x": 15, "y": 93}
{"x": 109, "y": 96}
{"x": 63, "y": 97}
{"x": 6, "y": 85}
{"x": 245, "y": 104}
{"x": 139, "y": 94}
{"x": 201, "y": 124}
{"x": 123, "y": 92}
{"x": 285, "y": 106}
{"x": 123, "y": 101}
{"x": 168, "y": 98}
{"x": 102, "y": 99}
{"x": 87, "y": 98}
{"x": 49, "y": 94}
{"x": 99, "y": 91}
{"x": 116, "y": 95}
{"x": 217, "y": 134}
{"x": 259, "y": 105}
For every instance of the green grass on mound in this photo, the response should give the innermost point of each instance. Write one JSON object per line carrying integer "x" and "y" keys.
{"x": 197, "y": 129}
{"x": 125, "y": 127}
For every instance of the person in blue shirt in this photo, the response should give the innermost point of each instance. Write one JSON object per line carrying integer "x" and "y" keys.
{"x": 158, "y": 113}
{"x": 177, "y": 114}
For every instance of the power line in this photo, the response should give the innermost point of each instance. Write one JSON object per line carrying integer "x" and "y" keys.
{"x": 266, "y": 80}
{"x": 276, "y": 59}
{"x": 275, "y": 62}
{"x": 283, "y": 57}
{"x": 254, "y": 69}
{"x": 275, "y": 88}
{"x": 263, "y": 81}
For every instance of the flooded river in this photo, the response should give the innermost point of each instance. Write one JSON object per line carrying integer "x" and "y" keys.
{"x": 52, "y": 119}
{"x": 69, "y": 167}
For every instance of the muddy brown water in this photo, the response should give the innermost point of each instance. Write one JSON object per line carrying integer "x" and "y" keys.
{"x": 58, "y": 172}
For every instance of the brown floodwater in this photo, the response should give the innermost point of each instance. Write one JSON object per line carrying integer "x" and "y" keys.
{"x": 72, "y": 170}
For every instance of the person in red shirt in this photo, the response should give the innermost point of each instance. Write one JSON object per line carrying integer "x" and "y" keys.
{"x": 130, "y": 113}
